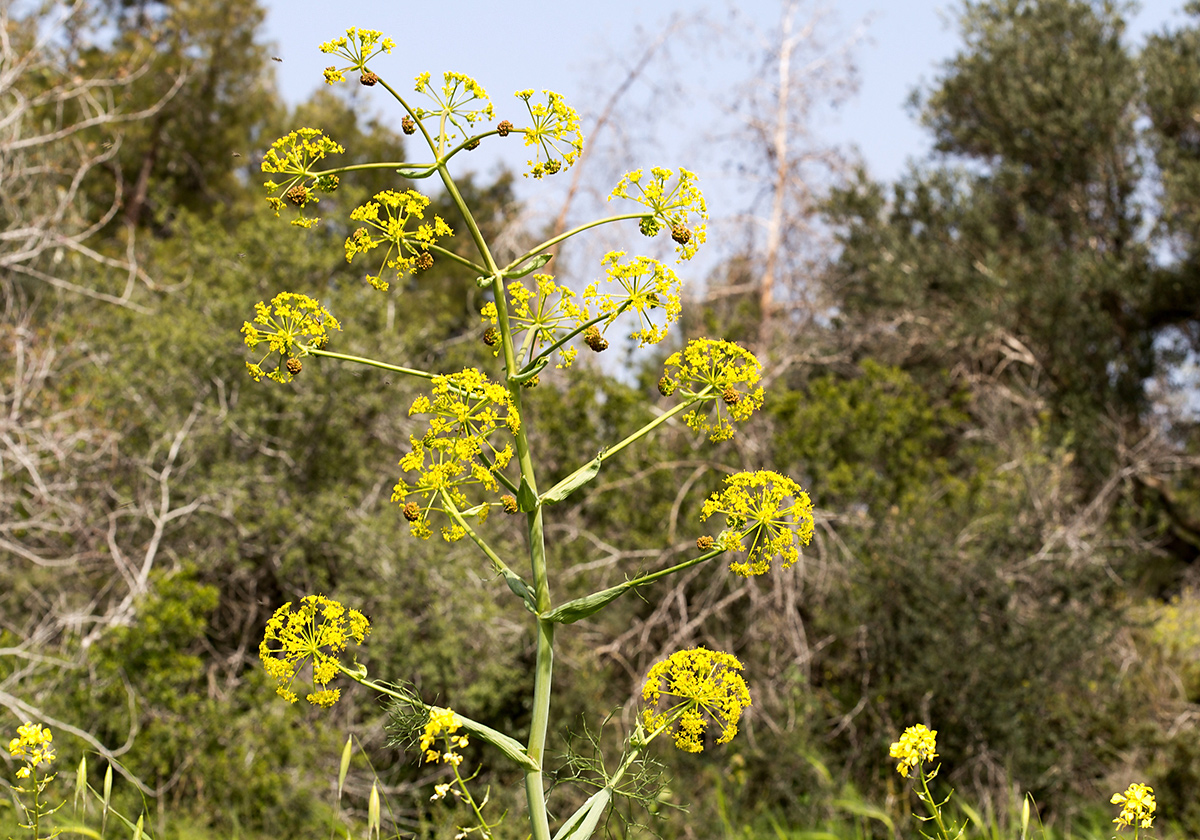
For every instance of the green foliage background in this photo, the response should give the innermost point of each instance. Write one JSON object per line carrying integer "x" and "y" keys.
{"x": 1008, "y": 528}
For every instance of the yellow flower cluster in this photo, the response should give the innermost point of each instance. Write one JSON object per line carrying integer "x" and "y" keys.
{"x": 32, "y": 745}
{"x": 290, "y": 325}
{"x": 755, "y": 510}
{"x": 318, "y": 631}
{"x": 719, "y": 372}
{"x": 407, "y": 249}
{"x": 293, "y": 155}
{"x": 691, "y": 688}
{"x": 444, "y": 723}
{"x": 680, "y": 209}
{"x": 461, "y": 102}
{"x": 646, "y": 284}
{"x": 916, "y": 745}
{"x": 549, "y": 312}
{"x": 1137, "y": 806}
{"x": 358, "y": 46}
{"x": 554, "y": 133}
{"x": 467, "y": 409}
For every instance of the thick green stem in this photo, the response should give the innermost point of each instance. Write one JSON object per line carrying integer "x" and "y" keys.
{"x": 372, "y": 363}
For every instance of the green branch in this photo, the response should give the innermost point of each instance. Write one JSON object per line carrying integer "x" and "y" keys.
{"x": 533, "y": 252}
{"x": 372, "y": 363}
{"x": 515, "y": 582}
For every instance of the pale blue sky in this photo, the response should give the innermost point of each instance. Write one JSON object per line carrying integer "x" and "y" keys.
{"x": 567, "y": 46}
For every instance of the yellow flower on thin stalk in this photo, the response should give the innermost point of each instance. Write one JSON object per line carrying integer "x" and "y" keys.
{"x": 646, "y": 285}
{"x": 719, "y": 372}
{"x": 680, "y": 208}
{"x": 358, "y": 46}
{"x": 461, "y": 102}
{"x": 918, "y": 744}
{"x": 290, "y": 326}
{"x": 293, "y": 156}
{"x": 692, "y": 688}
{"x": 407, "y": 250}
{"x": 466, "y": 410}
{"x": 767, "y": 509}
{"x": 550, "y": 311}
{"x": 1137, "y": 806}
{"x": 317, "y": 632}
{"x": 554, "y": 133}
{"x": 443, "y": 724}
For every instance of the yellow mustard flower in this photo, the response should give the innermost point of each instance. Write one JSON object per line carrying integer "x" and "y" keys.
{"x": 645, "y": 285}
{"x": 754, "y": 504}
{"x": 444, "y": 724}
{"x": 466, "y": 410}
{"x": 317, "y": 630}
{"x": 461, "y": 101}
{"x": 680, "y": 209}
{"x": 554, "y": 133}
{"x": 33, "y": 746}
{"x": 719, "y": 372}
{"x": 550, "y": 311}
{"x": 358, "y": 46}
{"x": 918, "y": 744}
{"x": 1137, "y": 806}
{"x": 407, "y": 249}
{"x": 691, "y": 688}
{"x": 289, "y": 326}
{"x": 293, "y": 156}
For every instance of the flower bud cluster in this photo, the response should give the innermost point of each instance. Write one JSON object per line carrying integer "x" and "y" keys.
{"x": 407, "y": 250}
{"x": 717, "y": 372}
{"x": 692, "y": 688}
{"x": 317, "y": 633}
{"x": 289, "y": 326}
{"x": 358, "y": 46}
{"x": 554, "y": 133}
{"x": 293, "y": 156}
{"x": 676, "y": 205}
{"x": 767, "y": 510}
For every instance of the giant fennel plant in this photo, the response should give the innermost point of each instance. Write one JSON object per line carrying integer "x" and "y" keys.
{"x": 474, "y": 457}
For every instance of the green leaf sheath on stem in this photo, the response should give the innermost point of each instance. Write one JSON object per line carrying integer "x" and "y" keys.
{"x": 581, "y": 477}
{"x": 511, "y": 747}
{"x": 534, "y": 264}
{"x": 573, "y": 611}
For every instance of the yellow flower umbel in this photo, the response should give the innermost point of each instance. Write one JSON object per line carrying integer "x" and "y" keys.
{"x": 461, "y": 102}
{"x": 916, "y": 745}
{"x": 318, "y": 630}
{"x": 293, "y": 156}
{"x": 646, "y": 285}
{"x": 680, "y": 209}
{"x": 756, "y": 509}
{"x": 443, "y": 724}
{"x": 290, "y": 326}
{"x": 358, "y": 46}
{"x": 467, "y": 409}
{"x": 719, "y": 372}
{"x": 407, "y": 249}
{"x": 1137, "y": 807}
{"x": 691, "y": 688}
{"x": 549, "y": 313}
{"x": 554, "y": 133}
{"x": 32, "y": 746}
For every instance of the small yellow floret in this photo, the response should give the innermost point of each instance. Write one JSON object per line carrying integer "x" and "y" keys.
{"x": 918, "y": 744}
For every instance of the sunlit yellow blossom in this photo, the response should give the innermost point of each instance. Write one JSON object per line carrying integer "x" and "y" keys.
{"x": 466, "y": 410}
{"x": 691, "y": 688}
{"x": 916, "y": 745}
{"x": 554, "y": 133}
{"x": 756, "y": 509}
{"x": 550, "y": 312}
{"x": 290, "y": 326}
{"x": 444, "y": 725}
{"x": 646, "y": 285}
{"x": 404, "y": 247}
{"x": 32, "y": 745}
{"x": 358, "y": 46}
{"x": 461, "y": 102}
{"x": 717, "y": 372}
{"x": 318, "y": 630}
{"x": 293, "y": 156}
{"x": 680, "y": 209}
{"x": 1137, "y": 806}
